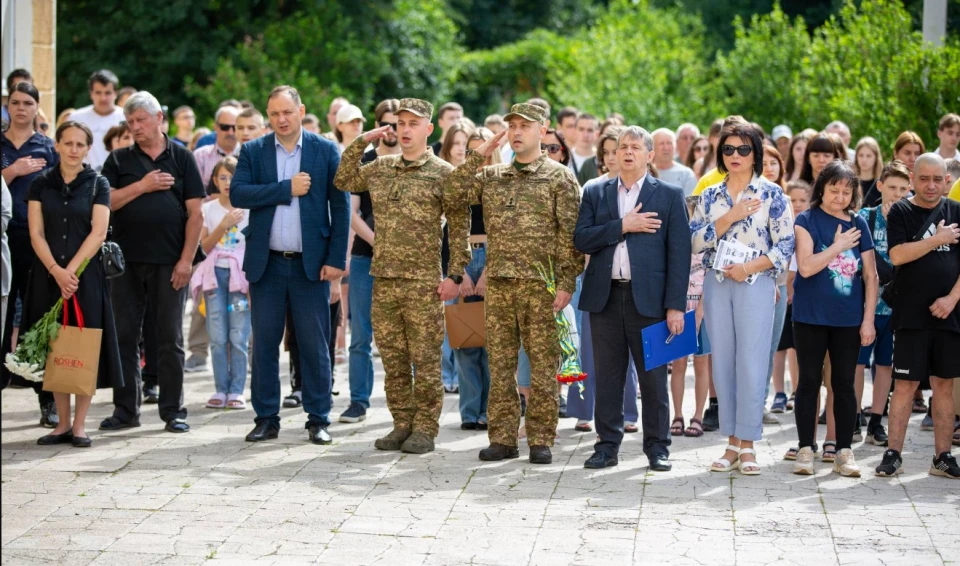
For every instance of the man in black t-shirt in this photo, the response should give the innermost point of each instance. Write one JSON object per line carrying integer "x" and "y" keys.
{"x": 157, "y": 191}
{"x": 924, "y": 241}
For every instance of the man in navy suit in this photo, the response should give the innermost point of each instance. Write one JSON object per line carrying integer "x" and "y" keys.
{"x": 296, "y": 245}
{"x": 634, "y": 228}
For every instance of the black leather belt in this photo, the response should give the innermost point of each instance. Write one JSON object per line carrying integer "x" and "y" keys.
{"x": 621, "y": 283}
{"x": 286, "y": 255}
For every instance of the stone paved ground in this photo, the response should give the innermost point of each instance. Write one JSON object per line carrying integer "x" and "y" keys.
{"x": 144, "y": 496}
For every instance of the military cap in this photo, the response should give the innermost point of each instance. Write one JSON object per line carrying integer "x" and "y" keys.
{"x": 419, "y": 107}
{"x": 529, "y": 112}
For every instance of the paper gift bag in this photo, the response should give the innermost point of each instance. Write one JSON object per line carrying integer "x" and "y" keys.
{"x": 465, "y": 326}
{"x": 74, "y": 360}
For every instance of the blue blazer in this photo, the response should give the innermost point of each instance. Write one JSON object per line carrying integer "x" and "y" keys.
{"x": 659, "y": 262}
{"x": 324, "y": 211}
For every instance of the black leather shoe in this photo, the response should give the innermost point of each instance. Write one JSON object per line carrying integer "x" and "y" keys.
{"x": 81, "y": 442}
{"x": 319, "y": 434}
{"x": 468, "y": 426}
{"x": 540, "y": 455}
{"x": 263, "y": 431}
{"x": 113, "y": 423}
{"x": 496, "y": 452}
{"x": 600, "y": 460}
{"x": 660, "y": 463}
{"x": 51, "y": 439}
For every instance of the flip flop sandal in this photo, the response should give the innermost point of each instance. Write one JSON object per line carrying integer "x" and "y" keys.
{"x": 217, "y": 401}
{"x": 724, "y": 465}
{"x": 695, "y": 430}
{"x": 749, "y": 468}
{"x": 676, "y": 430}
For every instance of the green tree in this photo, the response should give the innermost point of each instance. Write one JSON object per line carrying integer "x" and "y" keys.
{"x": 400, "y": 48}
{"x": 151, "y": 45}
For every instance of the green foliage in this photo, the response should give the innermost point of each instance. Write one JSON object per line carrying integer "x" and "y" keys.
{"x": 866, "y": 66}
{"x": 405, "y": 47}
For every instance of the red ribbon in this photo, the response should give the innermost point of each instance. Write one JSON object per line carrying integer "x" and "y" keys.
{"x": 76, "y": 310}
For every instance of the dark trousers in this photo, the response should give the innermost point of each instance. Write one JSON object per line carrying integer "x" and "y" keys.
{"x": 149, "y": 337}
{"x": 21, "y": 260}
{"x": 144, "y": 284}
{"x": 616, "y": 335}
{"x": 296, "y": 378}
{"x": 285, "y": 282}
{"x": 813, "y": 342}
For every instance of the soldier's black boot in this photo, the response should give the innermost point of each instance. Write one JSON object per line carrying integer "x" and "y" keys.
{"x": 496, "y": 452}
{"x": 540, "y": 455}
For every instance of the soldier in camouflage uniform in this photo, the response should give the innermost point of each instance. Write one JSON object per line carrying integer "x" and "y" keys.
{"x": 408, "y": 202}
{"x": 530, "y": 209}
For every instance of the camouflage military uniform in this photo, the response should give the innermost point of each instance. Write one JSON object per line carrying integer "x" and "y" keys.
{"x": 529, "y": 216}
{"x": 408, "y": 202}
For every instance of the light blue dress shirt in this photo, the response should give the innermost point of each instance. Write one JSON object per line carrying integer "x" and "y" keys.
{"x": 285, "y": 232}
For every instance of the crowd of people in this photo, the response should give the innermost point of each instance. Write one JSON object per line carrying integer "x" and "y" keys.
{"x": 799, "y": 252}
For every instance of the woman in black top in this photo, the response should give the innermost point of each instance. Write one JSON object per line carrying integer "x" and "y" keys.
{"x": 69, "y": 210}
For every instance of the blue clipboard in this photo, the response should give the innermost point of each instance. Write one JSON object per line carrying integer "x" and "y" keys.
{"x": 660, "y": 347}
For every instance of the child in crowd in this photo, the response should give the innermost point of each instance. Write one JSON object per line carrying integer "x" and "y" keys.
{"x": 224, "y": 286}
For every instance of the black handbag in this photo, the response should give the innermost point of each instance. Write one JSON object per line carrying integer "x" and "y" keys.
{"x": 111, "y": 256}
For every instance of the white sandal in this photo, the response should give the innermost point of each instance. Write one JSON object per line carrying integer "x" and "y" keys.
{"x": 221, "y": 397}
{"x": 749, "y": 468}
{"x": 724, "y": 465}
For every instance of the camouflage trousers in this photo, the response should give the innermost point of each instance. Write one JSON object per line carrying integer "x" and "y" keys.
{"x": 408, "y": 326}
{"x": 515, "y": 310}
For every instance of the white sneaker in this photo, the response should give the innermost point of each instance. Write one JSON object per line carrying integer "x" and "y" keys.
{"x": 846, "y": 464}
{"x": 803, "y": 466}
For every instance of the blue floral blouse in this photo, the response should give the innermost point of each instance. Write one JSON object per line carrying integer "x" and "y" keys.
{"x": 769, "y": 230}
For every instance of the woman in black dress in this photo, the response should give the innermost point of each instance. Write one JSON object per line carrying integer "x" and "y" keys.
{"x": 68, "y": 213}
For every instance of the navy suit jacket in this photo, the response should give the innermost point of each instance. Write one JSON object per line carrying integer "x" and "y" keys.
{"x": 324, "y": 211}
{"x": 659, "y": 262}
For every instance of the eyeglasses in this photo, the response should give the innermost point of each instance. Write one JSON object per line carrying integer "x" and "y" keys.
{"x": 227, "y": 127}
{"x": 551, "y": 147}
{"x": 393, "y": 125}
{"x": 743, "y": 150}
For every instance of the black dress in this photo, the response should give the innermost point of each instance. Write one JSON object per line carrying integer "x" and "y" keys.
{"x": 67, "y": 218}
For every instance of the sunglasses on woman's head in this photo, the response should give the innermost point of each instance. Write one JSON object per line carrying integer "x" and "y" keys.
{"x": 743, "y": 150}
{"x": 551, "y": 147}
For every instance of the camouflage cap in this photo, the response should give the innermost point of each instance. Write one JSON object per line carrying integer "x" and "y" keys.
{"x": 419, "y": 107}
{"x": 529, "y": 112}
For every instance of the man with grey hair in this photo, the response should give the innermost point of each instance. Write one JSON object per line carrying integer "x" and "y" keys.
{"x": 157, "y": 191}
{"x": 924, "y": 243}
{"x": 664, "y": 145}
{"x": 842, "y": 130}
{"x": 685, "y": 135}
{"x": 635, "y": 229}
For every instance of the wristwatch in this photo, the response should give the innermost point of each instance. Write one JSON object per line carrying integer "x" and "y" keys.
{"x": 458, "y": 279}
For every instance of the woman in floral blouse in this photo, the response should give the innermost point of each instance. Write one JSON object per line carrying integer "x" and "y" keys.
{"x": 751, "y": 217}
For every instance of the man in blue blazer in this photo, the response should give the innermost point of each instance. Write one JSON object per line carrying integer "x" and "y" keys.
{"x": 296, "y": 244}
{"x": 634, "y": 228}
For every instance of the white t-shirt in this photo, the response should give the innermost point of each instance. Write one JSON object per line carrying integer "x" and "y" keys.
{"x": 99, "y": 125}
{"x": 578, "y": 160}
{"x": 232, "y": 239}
